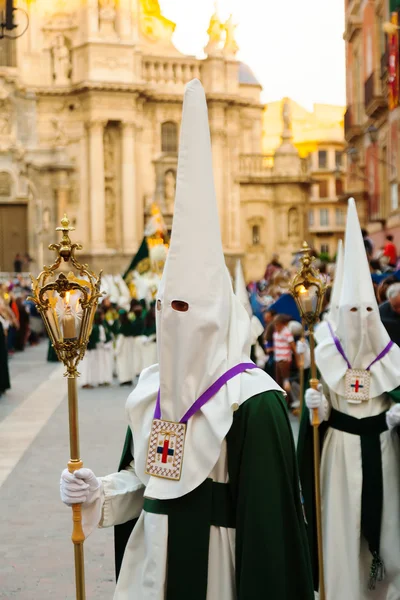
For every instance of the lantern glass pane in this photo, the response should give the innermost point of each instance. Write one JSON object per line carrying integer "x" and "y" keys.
{"x": 308, "y": 298}
{"x": 65, "y": 314}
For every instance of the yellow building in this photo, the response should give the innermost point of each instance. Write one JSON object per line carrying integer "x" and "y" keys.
{"x": 319, "y": 138}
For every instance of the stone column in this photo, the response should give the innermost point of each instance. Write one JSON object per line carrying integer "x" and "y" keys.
{"x": 129, "y": 196}
{"x": 84, "y": 192}
{"x": 96, "y": 187}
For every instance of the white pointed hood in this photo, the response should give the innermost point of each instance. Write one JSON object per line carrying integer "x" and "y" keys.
{"x": 322, "y": 331}
{"x": 198, "y": 346}
{"x": 358, "y": 325}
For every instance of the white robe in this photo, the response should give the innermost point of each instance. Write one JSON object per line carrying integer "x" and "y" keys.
{"x": 143, "y": 571}
{"x": 106, "y": 362}
{"x": 89, "y": 368}
{"x": 125, "y": 349}
{"x": 149, "y": 351}
{"x": 137, "y": 355}
{"x": 347, "y": 558}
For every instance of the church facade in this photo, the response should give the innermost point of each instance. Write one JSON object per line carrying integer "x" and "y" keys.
{"x": 91, "y": 106}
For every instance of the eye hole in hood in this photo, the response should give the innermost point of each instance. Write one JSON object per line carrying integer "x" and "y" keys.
{"x": 180, "y": 305}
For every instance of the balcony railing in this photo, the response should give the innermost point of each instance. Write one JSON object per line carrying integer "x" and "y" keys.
{"x": 374, "y": 99}
{"x": 166, "y": 71}
{"x": 352, "y": 123}
{"x": 262, "y": 165}
{"x": 377, "y": 212}
{"x": 256, "y": 165}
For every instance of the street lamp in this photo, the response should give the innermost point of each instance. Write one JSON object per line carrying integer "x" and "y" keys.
{"x": 373, "y": 134}
{"x": 308, "y": 289}
{"x": 67, "y": 302}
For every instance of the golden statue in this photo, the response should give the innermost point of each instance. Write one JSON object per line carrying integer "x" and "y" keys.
{"x": 214, "y": 31}
{"x": 154, "y": 26}
{"x": 230, "y": 46}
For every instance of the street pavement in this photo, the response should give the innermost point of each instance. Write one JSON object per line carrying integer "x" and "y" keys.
{"x": 36, "y": 552}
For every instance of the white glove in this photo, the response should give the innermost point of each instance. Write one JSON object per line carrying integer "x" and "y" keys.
{"x": 316, "y": 399}
{"x": 393, "y": 417}
{"x": 80, "y": 487}
{"x": 301, "y": 347}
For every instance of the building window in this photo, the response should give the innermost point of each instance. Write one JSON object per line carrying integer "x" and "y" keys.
{"x": 339, "y": 216}
{"x": 310, "y": 218}
{"x": 338, "y": 159}
{"x": 394, "y": 196}
{"x": 323, "y": 189}
{"x": 339, "y": 187}
{"x": 169, "y": 137}
{"x": 255, "y": 234}
{"x": 322, "y": 159}
{"x": 325, "y": 249}
{"x": 324, "y": 217}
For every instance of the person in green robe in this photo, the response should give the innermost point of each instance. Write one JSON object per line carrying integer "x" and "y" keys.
{"x": 207, "y": 502}
{"x": 4, "y": 374}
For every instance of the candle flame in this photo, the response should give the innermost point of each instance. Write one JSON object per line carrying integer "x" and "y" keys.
{"x": 67, "y": 296}
{"x": 302, "y": 290}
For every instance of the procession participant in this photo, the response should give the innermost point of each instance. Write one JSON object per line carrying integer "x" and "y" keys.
{"x": 89, "y": 367}
{"x": 360, "y": 475}
{"x": 124, "y": 350}
{"x": 216, "y": 490}
{"x": 149, "y": 350}
{"x": 105, "y": 354}
{"x": 322, "y": 329}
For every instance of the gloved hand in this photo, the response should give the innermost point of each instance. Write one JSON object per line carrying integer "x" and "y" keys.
{"x": 80, "y": 487}
{"x": 316, "y": 399}
{"x": 301, "y": 347}
{"x": 393, "y": 417}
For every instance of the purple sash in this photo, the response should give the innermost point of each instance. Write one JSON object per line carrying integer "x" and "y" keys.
{"x": 341, "y": 351}
{"x": 208, "y": 394}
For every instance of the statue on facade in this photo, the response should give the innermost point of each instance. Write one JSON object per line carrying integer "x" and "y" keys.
{"x": 293, "y": 227}
{"x": 5, "y": 117}
{"x": 214, "y": 31}
{"x": 62, "y": 65}
{"x": 109, "y": 156}
{"x": 110, "y": 215}
{"x": 230, "y": 46}
{"x": 169, "y": 190}
{"x": 107, "y": 15}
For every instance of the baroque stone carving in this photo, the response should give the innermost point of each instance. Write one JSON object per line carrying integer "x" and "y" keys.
{"x": 5, "y": 184}
{"x": 293, "y": 223}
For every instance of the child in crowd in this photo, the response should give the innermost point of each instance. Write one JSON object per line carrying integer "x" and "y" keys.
{"x": 284, "y": 351}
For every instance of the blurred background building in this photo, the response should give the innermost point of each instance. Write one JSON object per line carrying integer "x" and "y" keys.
{"x": 318, "y": 136}
{"x": 372, "y": 115}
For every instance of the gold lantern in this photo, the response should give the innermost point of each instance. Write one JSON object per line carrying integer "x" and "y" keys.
{"x": 308, "y": 289}
{"x": 67, "y": 302}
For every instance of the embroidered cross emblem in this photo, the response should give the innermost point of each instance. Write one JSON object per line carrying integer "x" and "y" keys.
{"x": 165, "y": 450}
{"x": 357, "y": 386}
